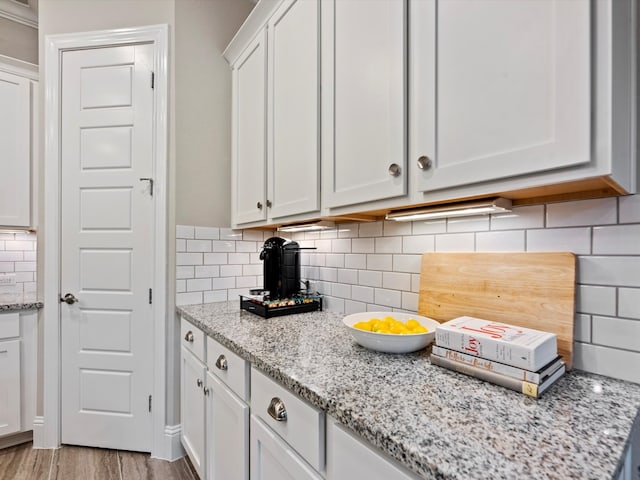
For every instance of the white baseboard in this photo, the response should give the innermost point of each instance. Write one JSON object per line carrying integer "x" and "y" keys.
{"x": 172, "y": 449}
{"x": 38, "y": 432}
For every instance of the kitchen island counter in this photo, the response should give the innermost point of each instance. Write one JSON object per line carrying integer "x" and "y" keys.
{"x": 438, "y": 423}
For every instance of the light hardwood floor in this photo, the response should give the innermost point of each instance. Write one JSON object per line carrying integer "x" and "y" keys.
{"x": 22, "y": 462}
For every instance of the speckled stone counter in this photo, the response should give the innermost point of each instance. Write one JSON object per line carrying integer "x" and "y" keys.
{"x": 18, "y": 301}
{"x": 438, "y": 423}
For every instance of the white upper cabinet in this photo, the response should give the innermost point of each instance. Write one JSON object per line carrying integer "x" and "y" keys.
{"x": 15, "y": 139}
{"x": 249, "y": 149}
{"x": 364, "y": 117}
{"x": 509, "y": 89}
{"x": 294, "y": 109}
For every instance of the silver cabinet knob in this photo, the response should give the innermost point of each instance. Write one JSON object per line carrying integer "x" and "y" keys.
{"x": 259, "y": 205}
{"x": 424, "y": 163}
{"x": 277, "y": 410}
{"x": 206, "y": 391}
{"x": 189, "y": 336}
{"x": 69, "y": 299}
{"x": 269, "y": 204}
{"x": 394, "y": 170}
{"x": 221, "y": 362}
{"x": 199, "y": 383}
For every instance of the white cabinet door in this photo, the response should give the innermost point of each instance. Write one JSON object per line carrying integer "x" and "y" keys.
{"x": 499, "y": 88}
{"x": 349, "y": 458}
{"x": 227, "y": 433}
{"x": 294, "y": 109}
{"x": 249, "y": 133}
{"x": 273, "y": 459}
{"x": 15, "y": 157}
{"x": 363, "y": 100}
{"x": 9, "y": 387}
{"x": 192, "y": 409}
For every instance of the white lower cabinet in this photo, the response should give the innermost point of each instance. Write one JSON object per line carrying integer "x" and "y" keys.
{"x": 273, "y": 459}
{"x": 227, "y": 433}
{"x": 192, "y": 409}
{"x": 18, "y": 345}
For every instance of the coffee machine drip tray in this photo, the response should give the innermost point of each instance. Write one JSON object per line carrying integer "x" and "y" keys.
{"x": 266, "y": 307}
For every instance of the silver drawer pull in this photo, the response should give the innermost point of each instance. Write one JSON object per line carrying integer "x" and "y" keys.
{"x": 189, "y": 336}
{"x": 277, "y": 410}
{"x": 221, "y": 362}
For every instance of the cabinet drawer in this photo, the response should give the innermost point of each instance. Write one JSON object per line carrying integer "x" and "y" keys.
{"x": 303, "y": 426}
{"x": 193, "y": 339}
{"x": 9, "y": 325}
{"x": 228, "y": 367}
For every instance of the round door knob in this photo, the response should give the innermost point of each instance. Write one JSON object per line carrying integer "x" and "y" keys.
{"x": 394, "y": 170}
{"x": 259, "y": 205}
{"x": 189, "y": 336}
{"x": 69, "y": 299}
{"x": 221, "y": 362}
{"x": 424, "y": 163}
{"x": 277, "y": 410}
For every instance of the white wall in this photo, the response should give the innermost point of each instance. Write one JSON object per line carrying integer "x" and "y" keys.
{"x": 376, "y": 266}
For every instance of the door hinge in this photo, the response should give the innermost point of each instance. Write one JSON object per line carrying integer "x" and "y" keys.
{"x": 153, "y": 80}
{"x": 150, "y": 397}
{"x": 150, "y": 296}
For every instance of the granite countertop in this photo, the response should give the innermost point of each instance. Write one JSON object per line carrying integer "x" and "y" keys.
{"x": 19, "y": 301}
{"x": 438, "y": 423}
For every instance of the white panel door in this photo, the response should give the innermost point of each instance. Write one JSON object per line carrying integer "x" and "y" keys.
{"x": 294, "y": 109}
{"x": 15, "y": 154}
{"x": 502, "y": 88}
{"x": 192, "y": 409}
{"x": 363, "y": 100}
{"x": 227, "y": 433}
{"x": 249, "y": 133}
{"x": 9, "y": 387}
{"x": 273, "y": 459}
{"x": 106, "y": 258}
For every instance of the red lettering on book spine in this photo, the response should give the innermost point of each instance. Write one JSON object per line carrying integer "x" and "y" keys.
{"x": 472, "y": 346}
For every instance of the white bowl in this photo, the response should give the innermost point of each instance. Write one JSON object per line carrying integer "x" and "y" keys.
{"x": 390, "y": 342}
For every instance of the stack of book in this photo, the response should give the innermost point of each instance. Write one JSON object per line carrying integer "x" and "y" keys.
{"x": 518, "y": 358}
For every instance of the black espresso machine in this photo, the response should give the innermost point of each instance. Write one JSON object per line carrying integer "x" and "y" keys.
{"x": 282, "y": 293}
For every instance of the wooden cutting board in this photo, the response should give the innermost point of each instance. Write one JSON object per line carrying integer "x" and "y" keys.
{"x": 533, "y": 290}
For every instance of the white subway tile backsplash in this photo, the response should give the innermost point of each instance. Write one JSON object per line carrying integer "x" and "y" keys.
{"x": 220, "y": 246}
{"x": 323, "y": 246}
{"x": 184, "y": 231}
{"x": 418, "y": 244}
{"x": 629, "y": 302}
{"x": 198, "y": 284}
{"x": 247, "y": 282}
{"x": 370, "y": 229}
{"x": 355, "y": 260}
{"x": 252, "y": 269}
{"x": 393, "y": 229}
{"x": 429, "y": 227}
{"x": 230, "y": 270}
{"x": 576, "y": 240}
{"x": 341, "y": 290}
{"x": 198, "y": 245}
{"x": 388, "y": 245}
{"x": 351, "y": 306}
{"x": 328, "y": 274}
{"x": 468, "y": 224}
{"x": 190, "y": 298}
{"x": 253, "y": 235}
{"x": 616, "y": 332}
{"x": 407, "y": 263}
{"x": 245, "y": 246}
{"x": 358, "y": 245}
{"x": 396, "y": 281}
{"x": 348, "y": 230}
{"x": 390, "y": 298}
{"x": 362, "y": 294}
{"x": 188, "y": 258}
{"x": 500, "y": 241}
{"x": 215, "y": 258}
{"x": 184, "y": 271}
{"x": 370, "y": 278}
{"x": 617, "y": 240}
{"x": 415, "y": 282}
{"x": 380, "y": 262}
{"x": 181, "y": 286}
{"x": 455, "y": 242}
{"x": 19, "y": 245}
{"x": 582, "y": 328}
{"x": 596, "y": 300}
{"x": 213, "y": 296}
{"x": 348, "y": 276}
{"x": 9, "y": 266}
{"x": 410, "y": 301}
{"x": 617, "y": 271}
{"x": 342, "y": 245}
{"x": 318, "y": 260}
{"x": 207, "y": 233}
{"x": 181, "y": 245}
{"x": 222, "y": 283}
{"x": 239, "y": 258}
{"x": 25, "y": 266}
{"x": 30, "y": 256}
{"x": 230, "y": 234}
{"x": 519, "y": 218}
{"x": 329, "y": 234}
{"x": 629, "y": 209}
{"x": 607, "y": 361}
{"x": 18, "y": 256}
{"x": 600, "y": 211}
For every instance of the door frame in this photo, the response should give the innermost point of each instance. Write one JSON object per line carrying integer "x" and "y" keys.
{"x": 47, "y": 431}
